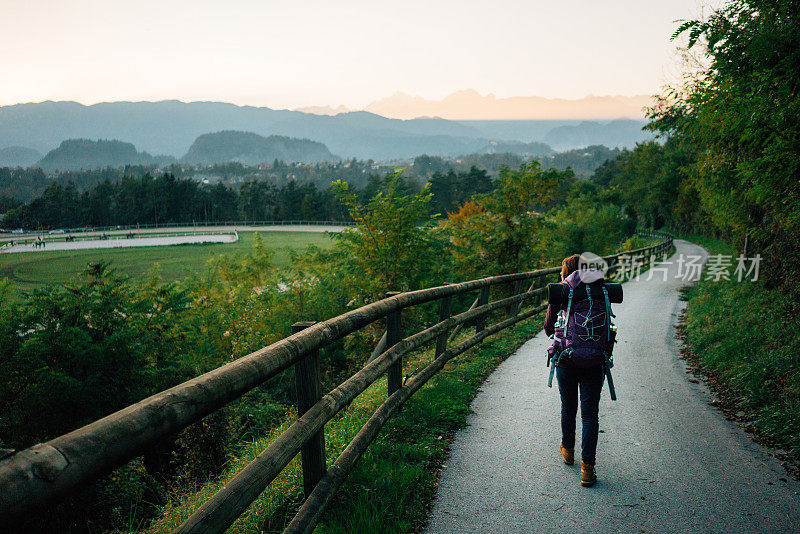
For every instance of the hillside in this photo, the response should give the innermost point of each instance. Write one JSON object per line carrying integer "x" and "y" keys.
{"x": 251, "y": 149}
{"x": 18, "y": 156}
{"x": 78, "y": 154}
{"x": 534, "y": 149}
{"x": 618, "y": 133}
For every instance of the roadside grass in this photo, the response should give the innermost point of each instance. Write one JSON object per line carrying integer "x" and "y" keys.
{"x": 746, "y": 339}
{"x": 30, "y": 270}
{"x": 393, "y": 484}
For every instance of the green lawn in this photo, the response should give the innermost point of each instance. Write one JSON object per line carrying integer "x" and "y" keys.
{"x": 30, "y": 270}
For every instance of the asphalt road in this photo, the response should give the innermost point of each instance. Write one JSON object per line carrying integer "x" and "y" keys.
{"x": 667, "y": 461}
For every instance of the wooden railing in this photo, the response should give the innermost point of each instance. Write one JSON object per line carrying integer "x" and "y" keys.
{"x": 43, "y": 473}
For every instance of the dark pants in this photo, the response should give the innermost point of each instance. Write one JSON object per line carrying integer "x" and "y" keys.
{"x": 590, "y": 383}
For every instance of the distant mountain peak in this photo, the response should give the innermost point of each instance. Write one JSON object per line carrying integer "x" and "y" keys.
{"x": 324, "y": 110}
{"x": 469, "y": 104}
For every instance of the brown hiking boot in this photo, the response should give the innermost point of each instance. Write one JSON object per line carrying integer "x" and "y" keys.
{"x": 588, "y": 478}
{"x": 568, "y": 454}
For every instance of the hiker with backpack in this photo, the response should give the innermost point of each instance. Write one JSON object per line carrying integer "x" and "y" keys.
{"x": 583, "y": 339}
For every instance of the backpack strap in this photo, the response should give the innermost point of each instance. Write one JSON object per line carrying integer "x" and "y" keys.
{"x": 607, "y": 370}
{"x": 556, "y": 359}
{"x": 589, "y": 298}
{"x": 569, "y": 305}
{"x": 607, "y": 363}
{"x": 609, "y": 314}
{"x": 552, "y": 370}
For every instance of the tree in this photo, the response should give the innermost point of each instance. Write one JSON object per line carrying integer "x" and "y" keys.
{"x": 77, "y": 353}
{"x": 498, "y": 232}
{"x": 742, "y": 116}
{"x": 391, "y": 246}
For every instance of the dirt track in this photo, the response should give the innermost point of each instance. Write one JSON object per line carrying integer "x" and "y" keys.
{"x": 119, "y": 242}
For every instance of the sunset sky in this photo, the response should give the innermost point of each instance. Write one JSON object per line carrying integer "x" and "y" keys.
{"x": 299, "y": 53}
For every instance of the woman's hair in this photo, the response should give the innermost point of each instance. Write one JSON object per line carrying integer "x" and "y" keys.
{"x": 570, "y": 265}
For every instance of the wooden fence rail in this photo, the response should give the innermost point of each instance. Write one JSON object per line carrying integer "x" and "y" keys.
{"x": 43, "y": 473}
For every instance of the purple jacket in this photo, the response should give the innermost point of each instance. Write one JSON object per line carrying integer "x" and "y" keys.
{"x": 586, "y": 276}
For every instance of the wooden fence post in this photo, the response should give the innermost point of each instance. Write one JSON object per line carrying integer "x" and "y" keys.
{"x": 542, "y": 284}
{"x": 445, "y": 309}
{"x": 513, "y": 309}
{"x": 309, "y": 391}
{"x": 480, "y": 322}
{"x": 394, "y": 334}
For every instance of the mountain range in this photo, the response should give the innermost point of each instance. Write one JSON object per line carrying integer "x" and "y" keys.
{"x": 470, "y": 105}
{"x": 170, "y": 127}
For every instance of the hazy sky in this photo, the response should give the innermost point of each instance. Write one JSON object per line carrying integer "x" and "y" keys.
{"x": 297, "y": 53}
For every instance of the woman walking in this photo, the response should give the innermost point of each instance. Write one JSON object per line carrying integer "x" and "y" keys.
{"x": 579, "y": 372}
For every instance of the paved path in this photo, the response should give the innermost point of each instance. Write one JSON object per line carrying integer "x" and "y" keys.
{"x": 228, "y": 228}
{"x": 120, "y": 242}
{"x": 667, "y": 461}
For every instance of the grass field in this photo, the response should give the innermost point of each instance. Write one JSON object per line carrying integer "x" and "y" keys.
{"x": 30, "y": 270}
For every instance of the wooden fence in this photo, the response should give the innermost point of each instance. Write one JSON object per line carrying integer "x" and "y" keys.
{"x": 46, "y": 472}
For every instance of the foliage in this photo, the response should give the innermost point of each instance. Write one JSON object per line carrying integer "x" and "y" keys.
{"x": 498, "y": 232}
{"x": 755, "y": 350}
{"x": 7, "y": 203}
{"x": 452, "y": 190}
{"x": 392, "y": 246}
{"x": 83, "y": 351}
{"x": 586, "y": 223}
{"x": 76, "y": 154}
{"x": 27, "y": 184}
{"x": 582, "y": 161}
{"x": 741, "y": 117}
{"x": 648, "y": 183}
{"x": 277, "y": 191}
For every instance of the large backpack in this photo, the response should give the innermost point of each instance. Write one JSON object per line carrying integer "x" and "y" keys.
{"x": 584, "y": 333}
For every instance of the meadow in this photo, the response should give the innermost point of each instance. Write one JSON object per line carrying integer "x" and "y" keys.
{"x": 28, "y": 271}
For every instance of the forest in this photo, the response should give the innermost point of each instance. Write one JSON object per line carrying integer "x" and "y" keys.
{"x": 26, "y": 184}
{"x": 167, "y": 199}
{"x": 727, "y": 161}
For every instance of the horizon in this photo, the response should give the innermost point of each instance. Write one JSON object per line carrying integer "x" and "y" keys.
{"x": 327, "y": 109}
{"x": 397, "y": 92}
{"x": 317, "y": 55}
